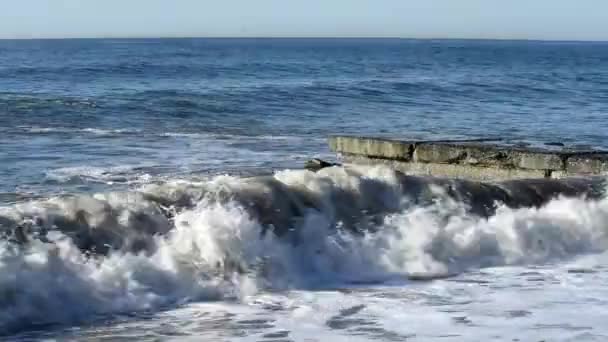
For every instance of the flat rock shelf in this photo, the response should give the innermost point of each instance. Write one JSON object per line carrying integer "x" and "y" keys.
{"x": 482, "y": 159}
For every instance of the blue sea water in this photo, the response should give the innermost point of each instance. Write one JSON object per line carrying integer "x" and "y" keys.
{"x": 75, "y": 112}
{"x": 89, "y": 128}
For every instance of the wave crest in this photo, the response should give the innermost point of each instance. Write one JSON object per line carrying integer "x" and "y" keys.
{"x": 68, "y": 259}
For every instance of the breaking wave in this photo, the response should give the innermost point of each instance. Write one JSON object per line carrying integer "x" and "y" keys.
{"x": 69, "y": 259}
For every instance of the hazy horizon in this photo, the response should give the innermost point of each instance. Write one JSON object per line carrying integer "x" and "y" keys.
{"x": 559, "y": 20}
{"x": 307, "y": 37}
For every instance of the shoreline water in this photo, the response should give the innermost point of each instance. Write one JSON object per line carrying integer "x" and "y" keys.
{"x": 212, "y": 242}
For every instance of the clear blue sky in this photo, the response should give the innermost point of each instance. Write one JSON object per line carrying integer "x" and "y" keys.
{"x": 518, "y": 19}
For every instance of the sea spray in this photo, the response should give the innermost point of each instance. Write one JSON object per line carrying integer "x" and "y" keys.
{"x": 230, "y": 237}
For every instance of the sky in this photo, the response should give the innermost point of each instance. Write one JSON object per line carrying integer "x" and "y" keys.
{"x": 504, "y": 19}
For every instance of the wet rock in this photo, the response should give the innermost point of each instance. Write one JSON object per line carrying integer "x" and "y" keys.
{"x": 318, "y": 164}
{"x": 469, "y": 159}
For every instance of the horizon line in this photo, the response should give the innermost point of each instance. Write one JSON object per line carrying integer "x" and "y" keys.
{"x": 311, "y": 37}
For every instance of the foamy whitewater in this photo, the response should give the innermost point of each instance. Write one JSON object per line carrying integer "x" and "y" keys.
{"x": 153, "y": 190}
{"x": 196, "y": 250}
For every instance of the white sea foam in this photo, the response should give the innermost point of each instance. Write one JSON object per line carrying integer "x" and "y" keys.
{"x": 108, "y": 175}
{"x": 89, "y": 130}
{"x": 214, "y": 247}
{"x": 193, "y": 135}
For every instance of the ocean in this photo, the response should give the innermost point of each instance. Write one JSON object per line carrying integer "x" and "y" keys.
{"x": 141, "y": 181}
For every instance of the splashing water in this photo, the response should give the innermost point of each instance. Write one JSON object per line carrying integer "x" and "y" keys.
{"x": 229, "y": 238}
